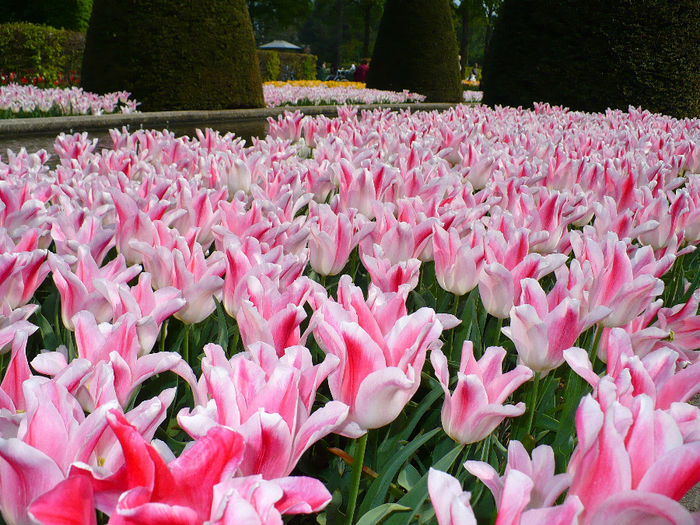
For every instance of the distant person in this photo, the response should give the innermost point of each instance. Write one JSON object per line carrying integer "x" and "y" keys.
{"x": 361, "y": 71}
{"x": 324, "y": 72}
{"x": 474, "y": 74}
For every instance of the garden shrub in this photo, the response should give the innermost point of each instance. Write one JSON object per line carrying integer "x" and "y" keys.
{"x": 63, "y": 14}
{"x": 45, "y": 50}
{"x": 416, "y": 49}
{"x": 591, "y": 54}
{"x": 269, "y": 65}
{"x": 176, "y": 54}
{"x": 275, "y": 65}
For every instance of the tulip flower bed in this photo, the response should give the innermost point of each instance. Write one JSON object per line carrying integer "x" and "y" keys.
{"x": 472, "y": 96}
{"x": 196, "y": 330}
{"x": 316, "y": 93}
{"x": 20, "y": 101}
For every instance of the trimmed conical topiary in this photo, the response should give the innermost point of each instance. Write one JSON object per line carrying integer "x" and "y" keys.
{"x": 593, "y": 54}
{"x": 416, "y": 49}
{"x": 174, "y": 54}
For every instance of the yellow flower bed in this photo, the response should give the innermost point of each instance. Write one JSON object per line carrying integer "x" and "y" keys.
{"x": 316, "y": 83}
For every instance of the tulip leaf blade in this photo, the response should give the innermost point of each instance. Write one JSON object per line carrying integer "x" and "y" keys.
{"x": 377, "y": 514}
{"x": 377, "y": 491}
{"x": 417, "y": 496}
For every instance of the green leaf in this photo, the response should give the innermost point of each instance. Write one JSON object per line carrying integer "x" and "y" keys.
{"x": 377, "y": 514}
{"x": 419, "y": 493}
{"x": 223, "y": 328}
{"x": 377, "y": 491}
{"x": 408, "y": 477}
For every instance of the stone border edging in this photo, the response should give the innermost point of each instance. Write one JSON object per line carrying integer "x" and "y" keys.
{"x": 163, "y": 119}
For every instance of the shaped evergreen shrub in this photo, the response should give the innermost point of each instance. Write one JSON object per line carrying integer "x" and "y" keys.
{"x": 174, "y": 54}
{"x": 416, "y": 49}
{"x": 44, "y": 50}
{"x": 593, "y": 54}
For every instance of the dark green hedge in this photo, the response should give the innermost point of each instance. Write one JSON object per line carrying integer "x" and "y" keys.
{"x": 274, "y": 65}
{"x": 65, "y": 14}
{"x": 174, "y": 54}
{"x": 42, "y": 49}
{"x": 593, "y": 54}
{"x": 416, "y": 49}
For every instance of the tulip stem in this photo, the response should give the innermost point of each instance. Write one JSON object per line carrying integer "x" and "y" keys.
{"x": 163, "y": 335}
{"x": 356, "y": 475}
{"x": 594, "y": 348}
{"x": 499, "y": 325}
{"x": 532, "y": 403}
{"x": 186, "y": 345}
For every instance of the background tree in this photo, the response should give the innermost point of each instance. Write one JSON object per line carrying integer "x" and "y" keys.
{"x": 593, "y": 54}
{"x": 174, "y": 54}
{"x": 63, "y": 14}
{"x": 470, "y": 24}
{"x": 278, "y": 19}
{"x": 416, "y": 49}
{"x": 359, "y": 22}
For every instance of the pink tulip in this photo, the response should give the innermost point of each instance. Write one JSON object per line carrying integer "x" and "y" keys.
{"x": 683, "y": 325}
{"x": 253, "y": 499}
{"x": 476, "y": 407}
{"x": 497, "y": 290}
{"x": 458, "y": 262}
{"x": 77, "y": 288}
{"x": 356, "y": 187}
{"x": 181, "y": 491}
{"x": 619, "y": 450}
{"x": 20, "y": 275}
{"x": 399, "y": 240}
{"x": 187, "y": 269}
{"x": 507, "y": 264}
{"x": 53, "y": 434}
{"x": 545, "y": 486}
{"x": 266, "y": 314}
{"x": 149, "y": 308}
{"x": 70, "y": 502}
{"x": 379, "y": 369}
{"x": 70, "y": 230}
{"x": 333, "y": 237}
{"x": 541, "y": 331}
{"x": 401, "y": 277}
{"x": 616, "y": 285}
{"x": 115, "y": 369}
{"x": 268, "y": 400}
{"x": 451, "y": 504}
{"x": 656, "y": 374}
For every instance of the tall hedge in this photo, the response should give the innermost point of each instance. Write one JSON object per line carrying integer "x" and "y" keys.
{"x": 416, "y": 49}
{"x": 174, "y": 54}
{"x": 62, "y": 14}
{"x": 593, "y": 54}
{"x": 276, "y": 65}
{"x": 45, "y": 50}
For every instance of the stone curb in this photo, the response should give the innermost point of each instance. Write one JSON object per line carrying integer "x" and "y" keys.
{"x": 163, "y": 119}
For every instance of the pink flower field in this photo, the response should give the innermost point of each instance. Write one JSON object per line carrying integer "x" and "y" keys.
{"x": 18, "y": 100}
{"x": 493, "y": 311}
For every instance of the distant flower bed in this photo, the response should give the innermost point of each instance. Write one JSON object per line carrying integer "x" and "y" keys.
{"x": 473, "y": 96}
{"x": 318, "y": 93}
{"x": 22, "y": 101}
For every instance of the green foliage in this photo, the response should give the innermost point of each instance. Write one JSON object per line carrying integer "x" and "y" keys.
{"x": 174, "y": 55}
{"x": 65, "y": 14}
{"x": 277, "y": 19}
{"x": 591, "y": 55}
{"x": 416, "y": 49}
{"x": 69, "y": 14}
{"x": 360, "y": 22}
{"x": 45, "y": 50}
{"x": 269, "y": 64}
{"x": 274, "y": 65}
